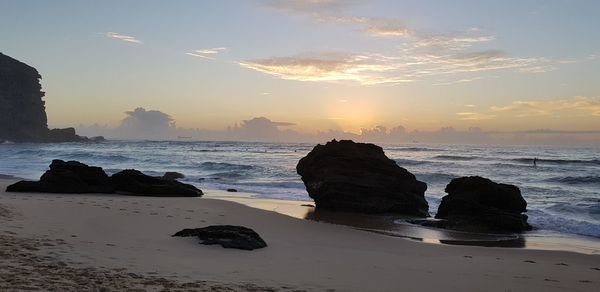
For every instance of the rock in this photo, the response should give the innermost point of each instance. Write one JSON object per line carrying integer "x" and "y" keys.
{"x": 232, "y": 190}
{"x": 134, "y": 182}
{"x": 172, "y": 175}
{"x": 67, "y": 177}
{"x": 227, "y": 236}
{"x": 478, "y": 204}
{"x": 22, "y": 110}
{"x": 358, "y": 177}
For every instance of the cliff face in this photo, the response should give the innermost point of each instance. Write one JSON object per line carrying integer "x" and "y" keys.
{"x": 22, "y": 111}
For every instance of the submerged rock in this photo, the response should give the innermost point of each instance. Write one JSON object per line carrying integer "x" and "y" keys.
{"x": 67, "y": 177}
{"x": 358, "y": 177}
{"x": 134, "y": 182}
{"x": 478, "y": 204}
{"x": 228, "y": 236}
{"x": 173, "y": 175}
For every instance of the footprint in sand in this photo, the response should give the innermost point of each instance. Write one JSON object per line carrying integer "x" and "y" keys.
{"x": 122, "y": 209}
{"x": 110, "y": 244}
{"x": 169, "y": 216}
{"x": 106, "y": 207}
{"x": 529, "y": 261}
{"x": 521, "y": 277}
{"x": 153, "y": 213}
{"x": 136, "y": 212}
{"x": 550, "y": 280}
{"x": 162, "y": 207}
{"x": 597, "y": 269}
{"x": 584, "y": 281}
{"x": 188, "y": 218}
{"x": 190, "y": 211}
{"x": 560, "y": 264}
{"x": 468, "y": 256}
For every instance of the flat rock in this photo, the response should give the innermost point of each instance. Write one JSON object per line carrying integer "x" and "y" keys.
{"x": 228, "y": 236}
{"x": 359, "y": 177}
{"x": 134, "y": 182}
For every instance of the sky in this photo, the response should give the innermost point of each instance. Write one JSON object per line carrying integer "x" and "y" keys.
{"x": 314, "y": 65}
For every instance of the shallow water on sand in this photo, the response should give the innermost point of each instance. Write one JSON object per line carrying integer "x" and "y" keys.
{"x": 563, "y": 191}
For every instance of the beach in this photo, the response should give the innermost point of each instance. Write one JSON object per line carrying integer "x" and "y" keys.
{"x": 106, "y": 242}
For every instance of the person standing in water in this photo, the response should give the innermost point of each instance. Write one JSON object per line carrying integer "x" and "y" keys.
{"x": 535, "y": 162}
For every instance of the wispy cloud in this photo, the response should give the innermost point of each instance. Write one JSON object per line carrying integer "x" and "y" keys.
{"x": 421, "y": 54}
{"x": 473, "y": 116}
{"x": 581, "y": 104}
{"x": 369, "y": 68}
{"x": 125, "y": 38}
{"x": 209, "y": 53}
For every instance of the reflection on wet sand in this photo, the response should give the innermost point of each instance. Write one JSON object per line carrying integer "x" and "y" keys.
{"x": 394, "y": 225}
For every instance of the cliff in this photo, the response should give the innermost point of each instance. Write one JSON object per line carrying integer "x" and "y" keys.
{"x": 22, "y": 110}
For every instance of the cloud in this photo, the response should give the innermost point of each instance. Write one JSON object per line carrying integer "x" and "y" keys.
{"x": 472, "y": 116}
{"x": 369, "y": 68}
{"x": 310, "y": 6}
{"x": 143, "y": 120}
{"x": 125, "y": 38}
{"x": 581, "y": 104}
{"x": 209, "y": 53}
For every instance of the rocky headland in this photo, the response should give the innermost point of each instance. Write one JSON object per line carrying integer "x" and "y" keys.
{"x": 22, "y": 110}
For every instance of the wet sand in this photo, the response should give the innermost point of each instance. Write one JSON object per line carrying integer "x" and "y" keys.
{"x": 103, "y": 242}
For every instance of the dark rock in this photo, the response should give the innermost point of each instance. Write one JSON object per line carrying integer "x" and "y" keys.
{"x": 227, "y": 236}
{"x": 67, "y": 177}
{"x": 22, "y": 110}
{"x": 478, "y": 204}
{"x": 134, "y": 182}
{"x": 232, "y": 190}
{"x": 358, "y": 177}
{"x": 172, "y": 175}
{"x": 307, "y": 205}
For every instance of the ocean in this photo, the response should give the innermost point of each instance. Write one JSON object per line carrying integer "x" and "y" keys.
{"x": 562, "y": 192}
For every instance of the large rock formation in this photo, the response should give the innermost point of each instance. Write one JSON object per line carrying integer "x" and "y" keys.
{"x": 228, "y": 236}
{"x": 358, "y": 177}
{"x": 478, "y": 204}
{"x": 76, "y": 177}
{"x": 22, "y": 110}
{"x": 67, "y": 177}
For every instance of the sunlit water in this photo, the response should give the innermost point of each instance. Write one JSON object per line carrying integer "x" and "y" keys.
{"x": 563, "y": 191}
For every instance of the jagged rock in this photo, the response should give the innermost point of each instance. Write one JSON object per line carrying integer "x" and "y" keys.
{"x": 172, "y": 175}
{"x": 22, "y": 110}
{"x": 134, "y": 182}
{"x": 67, "y": 177}
{"x": 227, "y": 236}
{"x": 232, "y": 190}
{"x": 478, "y": 204}
{"x": 358, "y": 177}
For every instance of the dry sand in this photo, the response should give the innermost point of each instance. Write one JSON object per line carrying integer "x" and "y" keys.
{"x": 103, "y": 242}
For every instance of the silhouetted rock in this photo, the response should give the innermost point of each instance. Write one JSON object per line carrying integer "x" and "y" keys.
{"x": 22, "y": 110}
{"x": 227, "y": 236}
{"x": 67, "y": 177}
{"x": 358, "y": 177}
{"x": 172, "y": 175}
{"x": 131, "y": 181}
{"x": 478, "y": 204}
{"x": 232, "y": 190}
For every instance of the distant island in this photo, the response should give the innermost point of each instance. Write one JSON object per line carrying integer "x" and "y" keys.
{"x": 22, "y": 110}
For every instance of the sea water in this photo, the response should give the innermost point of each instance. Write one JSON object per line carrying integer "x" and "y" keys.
{"x": 562, "y": 192}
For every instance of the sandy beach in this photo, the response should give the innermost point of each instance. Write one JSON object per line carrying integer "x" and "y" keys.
{"x": 102, "y": 242}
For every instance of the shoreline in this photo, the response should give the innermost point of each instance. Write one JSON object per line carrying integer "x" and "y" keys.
{"x": 108, "y": 232}
{"x": 395, "y": 226}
